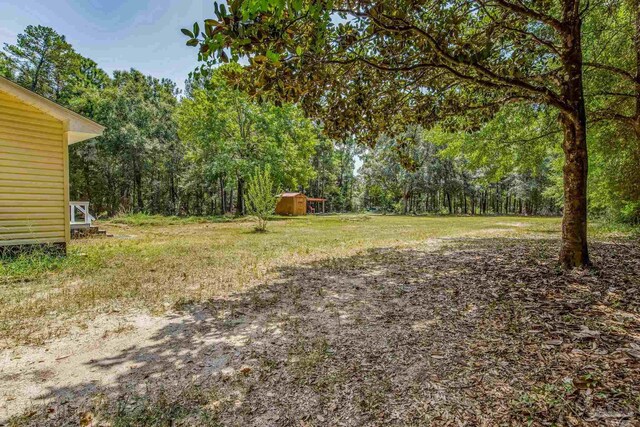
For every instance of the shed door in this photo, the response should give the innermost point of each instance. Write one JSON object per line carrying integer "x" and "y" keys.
{"x": 301, "y": 207}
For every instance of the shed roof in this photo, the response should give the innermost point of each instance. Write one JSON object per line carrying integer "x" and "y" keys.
{"x": 291, "y": 194}
{"x": 79, "y": 128}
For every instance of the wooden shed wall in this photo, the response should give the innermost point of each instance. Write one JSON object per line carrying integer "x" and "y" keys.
{"x": 33, "y": 177}
{"x": 285, "y": 206}
{"x": 300, "y": 205}
{"x": 292, "y": 205}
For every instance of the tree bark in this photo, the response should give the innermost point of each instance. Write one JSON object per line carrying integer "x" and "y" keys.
{"x": 636, "y": 44}
{"x": 574, "y": 252}
{"x": 240, "y": 201}
{"x": 137, "y": 177}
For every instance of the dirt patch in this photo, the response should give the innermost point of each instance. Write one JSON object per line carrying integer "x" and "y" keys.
{"x": 31, "y": 376}
{"x": 512, "y": 224}
{"x": 481, "y": 332}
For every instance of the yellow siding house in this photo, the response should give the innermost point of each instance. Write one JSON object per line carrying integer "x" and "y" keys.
{"x": 34, "y": 166}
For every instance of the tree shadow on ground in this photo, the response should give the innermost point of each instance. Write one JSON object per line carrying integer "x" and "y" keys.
{"x": 476, "y": 332}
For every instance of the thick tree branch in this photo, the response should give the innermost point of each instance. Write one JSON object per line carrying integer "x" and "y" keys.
{"x": 490, "y": 76}
{"x": 386, "y": 68}
{"x": 530, "y": 13}
{"x": 627, "y": 75}
{"x": 553, "y": 48}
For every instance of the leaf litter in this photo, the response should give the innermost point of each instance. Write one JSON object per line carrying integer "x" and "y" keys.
{"x": 477, "y": 332}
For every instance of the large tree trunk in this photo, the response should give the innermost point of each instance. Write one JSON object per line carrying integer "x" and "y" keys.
{"x": 636, "y": 43}
{"x": 574, "y": 252}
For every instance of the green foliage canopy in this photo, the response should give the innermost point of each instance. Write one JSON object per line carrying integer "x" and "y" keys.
{"x": 229, "y": 135}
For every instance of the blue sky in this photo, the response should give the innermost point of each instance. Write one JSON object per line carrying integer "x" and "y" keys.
{"x": 117, "y": 34}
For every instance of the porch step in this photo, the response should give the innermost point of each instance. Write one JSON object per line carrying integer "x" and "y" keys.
{"x": 79, "y": 233}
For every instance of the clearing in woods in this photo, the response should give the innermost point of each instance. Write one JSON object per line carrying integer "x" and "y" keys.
{"x": 336, "y": 320}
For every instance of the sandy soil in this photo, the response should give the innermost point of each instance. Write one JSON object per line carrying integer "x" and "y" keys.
{"x": 475, "y": 332}
{"x": 79, "y": 362}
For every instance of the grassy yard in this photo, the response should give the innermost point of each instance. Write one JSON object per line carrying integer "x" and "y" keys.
{"x": 154, "y": 263}
{"x": 323, "y": 321}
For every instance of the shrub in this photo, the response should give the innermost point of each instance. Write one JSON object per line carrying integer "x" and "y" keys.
{"x": 261, "y": 197}
{"x": 630, "y": 213}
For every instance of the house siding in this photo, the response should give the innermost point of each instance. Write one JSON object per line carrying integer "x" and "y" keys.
{"x": 33, "y": 176}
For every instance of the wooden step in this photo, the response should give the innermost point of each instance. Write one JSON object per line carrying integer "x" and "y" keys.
{"x": 93, "y": 230}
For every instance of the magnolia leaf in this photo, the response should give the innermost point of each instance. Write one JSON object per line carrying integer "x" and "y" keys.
{"x": 187, "y": 33}
{"x": 296, "y": 5}
{"x": 273, "y": 56}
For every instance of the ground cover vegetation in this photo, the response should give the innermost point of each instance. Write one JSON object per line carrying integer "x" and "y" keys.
{"x": 155, "y": 263}
{"x": 335, "y": 320}
{"x": 369, "y": 68}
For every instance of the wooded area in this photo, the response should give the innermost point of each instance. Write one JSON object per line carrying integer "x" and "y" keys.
{"x": 479, "y": 161}
{"x": 371, "y": 68}
{"x": 486, "y": 138}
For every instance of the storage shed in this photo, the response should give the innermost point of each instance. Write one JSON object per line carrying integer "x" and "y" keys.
{"x": 34, "y": 166}
{"x": 292, "y": 204}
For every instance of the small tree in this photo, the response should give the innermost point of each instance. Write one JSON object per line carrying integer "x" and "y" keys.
{"x": 368, "y": 67}
{"x": 261, "y": 197}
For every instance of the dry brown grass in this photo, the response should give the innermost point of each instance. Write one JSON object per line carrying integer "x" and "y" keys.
{"x": 155, "y": 263}
{"x": 466, "y": 332}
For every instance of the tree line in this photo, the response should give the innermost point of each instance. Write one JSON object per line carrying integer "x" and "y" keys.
{"x": 172, "y": 153}
{"x": 416, "y": 172}
{"x": 373, "y": 67}
{"x": 191, "y": 153}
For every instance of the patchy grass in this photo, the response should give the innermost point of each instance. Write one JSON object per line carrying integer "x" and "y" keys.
{"x": 476, "y": 332}
{"x": 609, "y": 229}
{"x": 189, "y": 406}
{"x": 154, "y": 262}
{"x": 142, "y": 219}
{"x": 29, "y": 266}
{"x": 193, "y": 406}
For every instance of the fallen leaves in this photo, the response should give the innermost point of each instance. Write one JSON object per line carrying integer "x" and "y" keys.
{"x": 482, "y": 332}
